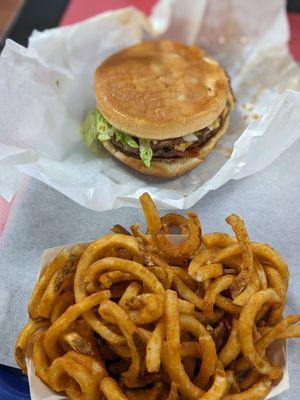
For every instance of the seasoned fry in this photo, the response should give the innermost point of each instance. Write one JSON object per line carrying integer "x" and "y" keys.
{"x": 192, "y": 320}
{"x": 217, "y": 287}
{"x": 261, "y": 273}
{"x": 252, "y": 287}
{"x": 291, "y": 332}
{"x": 152, "y": 393}
{"x": 242, "y": 238}
{"x": 249, "y": 379}
{"x": 84, "y": 373}
{"x": 132, "y": 290}
{"x": 185, "y": 307}
{"x": 78, "y": 249}
{"x": 246, "y": 323}
{"x": 227, "y": 305}
{"x": 111, "y": 390}
{"x": 207, "y": 347}
{"x": 145, "y": 239}
{"x": 65, "y": 300}
{"x": 77, "y": 342}
{"x": 171, "y": 354}
{"x": 240, "y": 283}
{"x": 277, "y": 283}
{"x": 145, "y": 308}
{"x": 177, "y": 253}
{"x": 190, "y": 349}
{"x": 65, "y": 320}
{"x": 120, "y": 230}
{"x": 279, "y": 331}
{"x": 165, "y": 276}
{"x": 201, "y": 260}
{"x": 87, "y": 333}
{"x": 232, "y": 348}
{"x": 59, "y": 261}
{"x": 40, "y": 359}
{"x": 157, "y": 261}
{"x": 98, "y": 250}
{"x": 207, "y": 272}
{"x": 173, "y": 393}
{"x": 218, "y": 239}
{"x": 184, "y": 276}
{"x": 219, "y": 334}
{"x": 129, "y": 331}
{"x": 109, "y": 278}
{"x": 185, "y": 292}
{"x": 154, "y": 348}
{"x": 23, "y": 339}
{"x": 96, "y": 367}
{"x": 132, "y": 267}
{"x": 174, "y": 220}
{"x": 213, "y": 319}
{"x": 232, "y": 383}
{"x": 80, "y": 379}
{"x": 219, "y": 386}
{"x": 114, "y": 264}
{"x": 264, "y": 252}
{"x": 256, "y": 392}
{"x": 246, "y": 282}
{"x": 61, "y": 280}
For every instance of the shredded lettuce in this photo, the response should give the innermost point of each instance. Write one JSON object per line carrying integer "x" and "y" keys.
{"x": 146, "y": 152}
{"x": 96, "y": 129}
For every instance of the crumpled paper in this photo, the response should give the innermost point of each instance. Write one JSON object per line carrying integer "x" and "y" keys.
{"x": 47, "y": 88}
{"x": 39, "y": 391}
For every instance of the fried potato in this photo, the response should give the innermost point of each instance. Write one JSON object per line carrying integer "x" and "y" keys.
{"x": 154, "y": 348}
{"x": 129, "y": 331}
{"x": 40, "y": 359}
{"x": 171, "y": 354}
{"x": 24, "y": 338}
{"x": 246, "y": 323}
{"x": 138, "y": 317}
{"x": 59, "y": 261}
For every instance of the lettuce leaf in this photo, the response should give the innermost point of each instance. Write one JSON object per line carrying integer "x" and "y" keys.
{"x": 146, "y": 152}
{"x": 104, "y": 136}
{"x": 96, "y": 129}
{"x": 126, "y": 139}
{"x": 90, "y": 129}
{"x": 104, "y": 129}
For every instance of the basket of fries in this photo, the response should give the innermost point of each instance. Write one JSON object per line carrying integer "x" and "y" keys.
{"x": 136, "y": 316}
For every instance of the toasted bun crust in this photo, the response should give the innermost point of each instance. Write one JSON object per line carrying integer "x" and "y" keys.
{"x": 161, "y": 89}
{"x": 168, "y": 168}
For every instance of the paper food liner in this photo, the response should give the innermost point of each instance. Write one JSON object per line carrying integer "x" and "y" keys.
{"x": 39, "y": 391}
{"x": 47, "y": 89}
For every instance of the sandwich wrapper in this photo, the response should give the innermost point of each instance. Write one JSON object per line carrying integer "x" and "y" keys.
{"x": 47, "y": 89}
{"x": 39, "y": 391}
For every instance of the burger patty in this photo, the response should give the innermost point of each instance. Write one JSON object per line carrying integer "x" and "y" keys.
{"x": 167, "y": 148}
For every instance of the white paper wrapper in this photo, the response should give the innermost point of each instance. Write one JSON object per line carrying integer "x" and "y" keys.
{"x": 46, "y": 90}
{"x": 39, "y": 391}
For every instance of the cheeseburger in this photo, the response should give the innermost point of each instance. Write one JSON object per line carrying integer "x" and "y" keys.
{"x": 161, "y": 107}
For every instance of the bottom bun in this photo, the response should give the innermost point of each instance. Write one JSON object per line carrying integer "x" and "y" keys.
{"x": 168, "y": 168}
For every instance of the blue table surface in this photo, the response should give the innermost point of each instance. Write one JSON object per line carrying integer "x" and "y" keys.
{"x": 13, "y": 384}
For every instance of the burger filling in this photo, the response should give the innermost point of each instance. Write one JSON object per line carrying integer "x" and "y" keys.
{"x": 96, "y": 129}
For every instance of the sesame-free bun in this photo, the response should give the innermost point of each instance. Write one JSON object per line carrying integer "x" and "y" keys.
{"x": 168, "y": 168}
{"x": 161, "y": 90}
